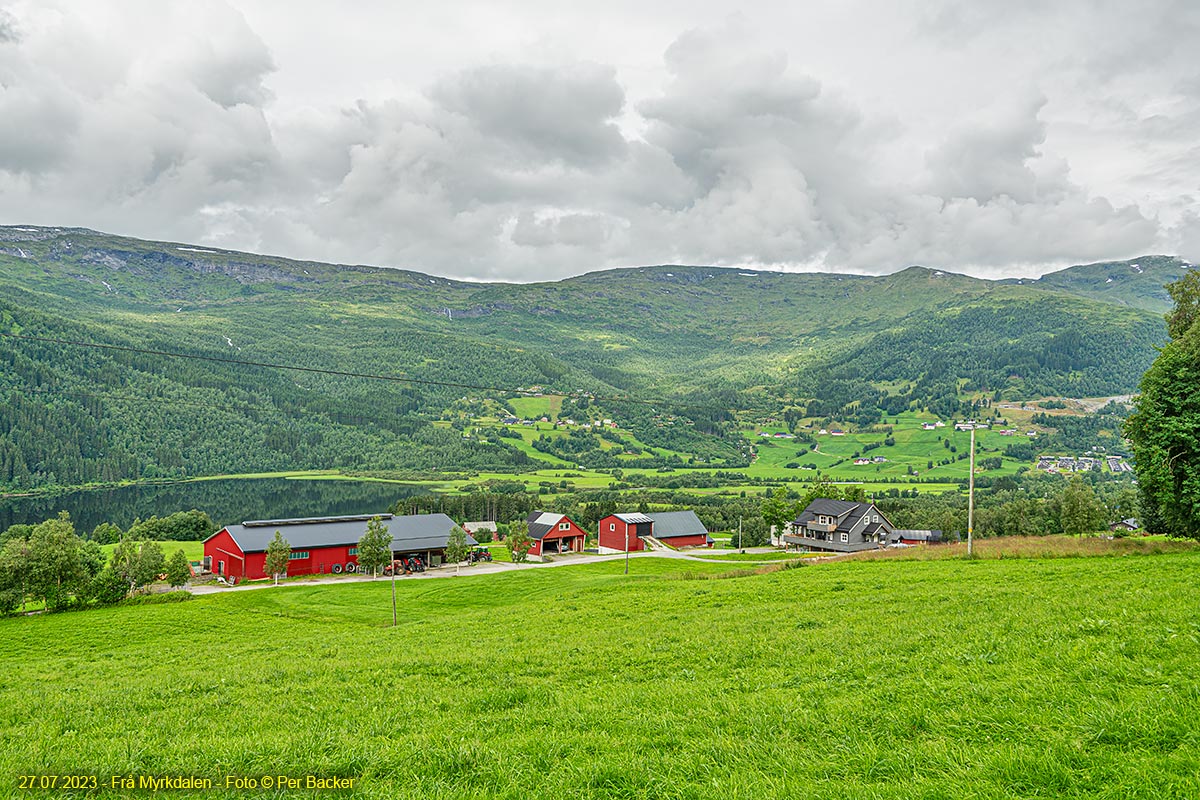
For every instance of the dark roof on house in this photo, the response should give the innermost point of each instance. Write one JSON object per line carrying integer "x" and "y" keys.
{"x": 410, "y": 533}
{"x": 846, "y": 512}
{"x": 543, "y": 522}
{"x": 677, "y": 523}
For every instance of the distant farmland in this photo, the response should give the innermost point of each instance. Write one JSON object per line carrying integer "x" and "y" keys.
{"x": 1012, "y": 677}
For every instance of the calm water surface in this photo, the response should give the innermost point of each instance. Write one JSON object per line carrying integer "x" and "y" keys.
{"x": 226, "y": 501}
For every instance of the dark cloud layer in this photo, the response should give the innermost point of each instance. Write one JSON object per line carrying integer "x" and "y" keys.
{"x": 527, "y": 171}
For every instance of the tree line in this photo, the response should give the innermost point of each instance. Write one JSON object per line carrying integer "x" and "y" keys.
{"x": 51, "y": 565}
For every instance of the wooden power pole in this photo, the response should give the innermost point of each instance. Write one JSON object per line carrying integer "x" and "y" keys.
{"x": 971, "y": 498}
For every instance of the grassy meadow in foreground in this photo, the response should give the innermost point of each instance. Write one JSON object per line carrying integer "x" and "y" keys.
{"x": 983, "y": 678}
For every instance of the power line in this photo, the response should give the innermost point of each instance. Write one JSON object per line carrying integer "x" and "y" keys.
{"x": 347, "y": 374}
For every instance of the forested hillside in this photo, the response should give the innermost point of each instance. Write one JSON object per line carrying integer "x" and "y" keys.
{"x": 700, "y": 344}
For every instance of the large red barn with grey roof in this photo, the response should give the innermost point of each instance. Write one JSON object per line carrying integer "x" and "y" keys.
{"x": 321, "y": 545}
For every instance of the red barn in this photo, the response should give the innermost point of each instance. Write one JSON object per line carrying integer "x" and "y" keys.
{"x": 321, "y": 545}
{"x": 621, "y": 532}
{"x": 680, "y": 529}
{"x": 554, "y": 533}
{"x": 674, "y": 528}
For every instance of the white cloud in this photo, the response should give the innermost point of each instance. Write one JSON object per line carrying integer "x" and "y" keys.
{"x": 778, "y": 139}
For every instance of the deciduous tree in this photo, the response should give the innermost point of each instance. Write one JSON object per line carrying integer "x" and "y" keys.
{"x": 57, "y": 568}
{"x": 1185, "y": 292}
{"x": 138, "y": 562}
{"x": 279, "y": 552}
{"x": 1164, "y": 430}
{"x": 179, "y": 571}
{"x": 456, "y": 546}
{"x": 518, "y": 541}
{"x": 106, "y": 533}
{"x": 13, "y": 575}
{"x": 108, "y": 587}
{"x": 375, "y": 547}
{"x": 1081, "y": 511}
{"x": 778, "y": 511}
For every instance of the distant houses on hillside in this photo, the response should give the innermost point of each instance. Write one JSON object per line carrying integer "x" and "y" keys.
{"x": 1061, "y": 464}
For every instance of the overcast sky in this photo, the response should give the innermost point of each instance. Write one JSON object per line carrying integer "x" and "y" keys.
{"x": 537, "y": 139}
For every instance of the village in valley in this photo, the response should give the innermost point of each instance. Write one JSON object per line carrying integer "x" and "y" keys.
{"x": 832, "y": 526}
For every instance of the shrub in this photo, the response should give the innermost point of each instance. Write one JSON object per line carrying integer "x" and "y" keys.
{"x": 108, "y": 587}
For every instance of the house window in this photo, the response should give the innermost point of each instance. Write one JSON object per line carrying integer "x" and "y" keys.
{"x": 564, "y": 526}
{"x": 612, "y": 526}
{"x": 845, "y": 536}
{"x": 296, "y": 555}
{"x": 353, "y": 551}
{"x": 875, "y": 518}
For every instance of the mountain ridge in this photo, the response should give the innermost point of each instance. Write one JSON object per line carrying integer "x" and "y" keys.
{"x": 1155, "y": 265}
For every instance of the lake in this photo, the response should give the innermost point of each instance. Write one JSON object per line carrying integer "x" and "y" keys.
{"x": 226, "y": 501}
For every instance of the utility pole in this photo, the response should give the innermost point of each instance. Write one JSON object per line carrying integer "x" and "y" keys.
{"x": 626, "y": 548}
{"x": 971, "y": 498}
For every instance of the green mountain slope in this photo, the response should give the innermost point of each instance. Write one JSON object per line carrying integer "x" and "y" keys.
{"x": 1138, "y": 282}
{"x": 706, "y": 341}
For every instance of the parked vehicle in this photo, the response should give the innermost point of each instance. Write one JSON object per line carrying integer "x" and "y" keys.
{"x": 405, "y": 566}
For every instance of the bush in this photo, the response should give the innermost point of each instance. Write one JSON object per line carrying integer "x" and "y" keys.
{"x": 9, "y": 600}
{"x": 108, "y": 587}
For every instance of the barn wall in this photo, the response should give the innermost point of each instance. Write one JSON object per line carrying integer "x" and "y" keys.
{"x": 695, "y": 540}
{"x": 615, "y": 540}
{"x": 220, "y": 547}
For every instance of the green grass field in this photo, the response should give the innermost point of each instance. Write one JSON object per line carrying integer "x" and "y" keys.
{"x": 1066, "y": 677}
{"x": 914, "y": 448}
{"x": 193, "y": 550}
{"x": 753, "y": 557}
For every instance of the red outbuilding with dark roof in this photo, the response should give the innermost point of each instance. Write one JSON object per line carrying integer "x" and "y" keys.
{"x": 554, "y": 533}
